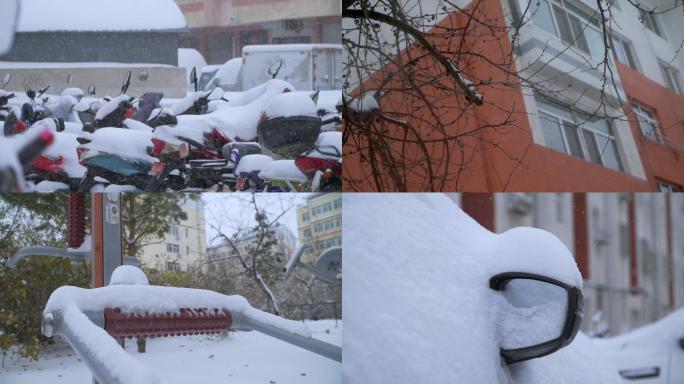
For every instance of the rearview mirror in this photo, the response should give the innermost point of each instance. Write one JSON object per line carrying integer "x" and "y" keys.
{"x": 9, "y": 15}
{"x": 275, "y": 68}
{"x": 193, "y": 78}
{"x": 68, "y": 78}
{"x": 538, "y": 315}
{"x": 6, "y": 80}
{"x": 91, "y": 89}
{"x": 126, "y": 83}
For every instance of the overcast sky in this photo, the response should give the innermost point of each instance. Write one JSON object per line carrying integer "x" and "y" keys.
{"x": 232, "y": 210}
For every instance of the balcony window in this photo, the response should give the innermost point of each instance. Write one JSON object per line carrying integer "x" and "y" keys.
{"x": 648, "y": 125}
{"x": 578, "y": 135}
{"x": 664, "y": 186}
{"x": 624, "y": 51}
{"x": 671, "y": 77}
{"x": 650, "y": 21}
{"x": 572, "y": 25}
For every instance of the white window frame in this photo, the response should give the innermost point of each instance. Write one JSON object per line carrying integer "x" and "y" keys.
{"x": 671, "y": 76}
{"x": 576, "y": 120}
{"x": 585, "y": 19}
{"x": 648, "y": 116}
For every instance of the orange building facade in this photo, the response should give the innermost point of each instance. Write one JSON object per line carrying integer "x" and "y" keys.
{"x": 551, "y": 120}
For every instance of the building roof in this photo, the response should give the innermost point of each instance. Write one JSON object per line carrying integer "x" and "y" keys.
{"x": 99, "y": 15}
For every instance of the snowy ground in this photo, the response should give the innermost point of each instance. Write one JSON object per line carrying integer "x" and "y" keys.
{"x": 242, "y": 357}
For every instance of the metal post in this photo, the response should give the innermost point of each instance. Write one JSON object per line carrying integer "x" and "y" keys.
{"x": 106, "y": 237}
{"x": 107, "y": 251}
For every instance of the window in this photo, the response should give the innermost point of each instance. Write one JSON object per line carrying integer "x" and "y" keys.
{"x": 574, "y": 26}
{"x": 664, "y": 186}
{"x": 186, "y": 233}
{"x": 173, "y": 231}
{"x": 624, "y": 51}
{"x": 671, "y": 78}
{"x": 172, "y": 266}
{"x": 305, "y": 216}
{"x": 172, "y": 248}
{"x": 187, "y": 250}
{"x": 578, "y": 135}
{"x": 648, "y": 125}
{"x": 307, "y": 232}
{"x": 650, "y": 21}
{"x": 338, "y": 203}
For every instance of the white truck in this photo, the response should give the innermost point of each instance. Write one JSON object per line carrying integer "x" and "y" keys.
{"x": 308, "y": 67}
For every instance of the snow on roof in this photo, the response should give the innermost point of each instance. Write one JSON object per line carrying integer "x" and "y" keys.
{"x": 288, "y": 47}
{"x": 84, "y": 64}
{"x": 99, "y": 15}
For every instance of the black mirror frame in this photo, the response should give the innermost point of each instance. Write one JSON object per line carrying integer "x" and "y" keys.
{"x": 573, "y": 317}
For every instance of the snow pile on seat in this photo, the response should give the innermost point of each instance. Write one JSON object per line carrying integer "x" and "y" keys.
{"x": 418, "y": 307}
{"x": 282, "y": 170}
{"x": 110, "y": 106}
{"x": 251, "y": 163}
{"x": 64, "y": 146}
{"x": 129, "y": 275}
{"x": 238, "y": 122}
{"x": 124, "y": 142}
{"x": 328, "y": 146}
{"x": 99, "y": 15}
{"x": 291, "y": 104}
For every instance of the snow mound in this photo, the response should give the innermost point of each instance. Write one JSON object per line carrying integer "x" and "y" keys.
{"x": 235, "y": 122}
{"x": 653, "y": 337}
{"x": 128, "y": 274}
{"x": 99, "y": 15}
{"x": 47, "y": 186}
{"x": 124, "y": 142}
{"x": 328, "y": 145}
{"x": 291, "y": 104}
{"x": 283, "y": 170}
{"x": 418, "y": 307}
{"x": 153, "y": 299}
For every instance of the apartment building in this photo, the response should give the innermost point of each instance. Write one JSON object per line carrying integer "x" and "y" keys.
{"x": 629, "y": 247}
{"x": 182, "y": 245}
{"x": 567, "y": 120}
{"x": 220, "y": 28}
{"x": 320, "y": 223}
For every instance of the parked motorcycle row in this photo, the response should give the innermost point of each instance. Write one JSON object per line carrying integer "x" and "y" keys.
{"x": 268, "y": 138}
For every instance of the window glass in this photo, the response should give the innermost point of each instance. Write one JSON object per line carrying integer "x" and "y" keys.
{"x": 671, "y": 78}
{"x": 563, "y": 25}
{"x": 592, "y": 148}
{"x": 650, "y": 22}
{"x": 573, "y": 140}
{"x": 580, "y": 33}
{"x": 552, "y": 133}
{"x": 609, "y": 153}
{"x": 541, "y": 16}
{"x": 595, "y": 40}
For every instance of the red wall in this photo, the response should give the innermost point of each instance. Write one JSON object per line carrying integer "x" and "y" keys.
{"x": 506, "y": 159}
{"x": 660, "y": 161}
